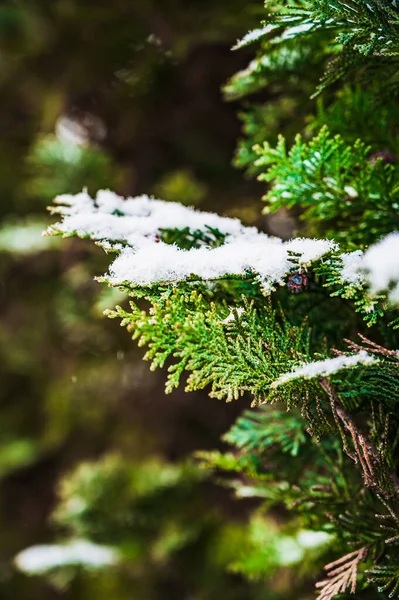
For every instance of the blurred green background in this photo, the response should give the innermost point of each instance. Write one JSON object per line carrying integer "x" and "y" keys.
{"x": 122, "y": 95}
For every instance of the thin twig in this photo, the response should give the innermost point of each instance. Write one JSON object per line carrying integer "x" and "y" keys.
{"x": 371, "y": 347}
{"x": 367, "y": 453}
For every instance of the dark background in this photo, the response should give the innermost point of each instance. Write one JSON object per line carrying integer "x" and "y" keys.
{"x": 138, "y": 81}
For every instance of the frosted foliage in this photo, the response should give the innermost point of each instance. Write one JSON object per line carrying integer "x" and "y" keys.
{"x": 378, "y": 267}
{"x": 132, "y": 226}
{"x": 381, "y": 264}
{"x": 162, "y": 262}
{"x": 113, "y": 218}
{"x": 39, "y": 559}
{"x": 351, "y": 267}
{"x": 253, "y": 36}
{"x": 324, "y": 368}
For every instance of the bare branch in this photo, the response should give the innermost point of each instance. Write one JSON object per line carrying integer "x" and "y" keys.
{"x": 372, "y": 347}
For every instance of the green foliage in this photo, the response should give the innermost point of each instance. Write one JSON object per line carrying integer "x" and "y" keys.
{"x": 386, "y": 577}
{"x": 289, "y": 61}
{"x": 340, "y": 189}
{"x": 360, "y": 34}
{"x": 148, "y": 514}
{"x": 359, "y": 112}
{"x": 87, "y": 494}
{"x": 244, "y": 354}
{"x": 187, "y": 238}
{"x": 260, "y": 122}
{"x": 264, "y": 428}
{"x": 332, "y": 437}
{"x": 320, "y": 489}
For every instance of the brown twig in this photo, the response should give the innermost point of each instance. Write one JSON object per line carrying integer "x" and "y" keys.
{"x": 341, "y": 574}
{"x": 371, "y": 347}
{"x": 366, "y": 452}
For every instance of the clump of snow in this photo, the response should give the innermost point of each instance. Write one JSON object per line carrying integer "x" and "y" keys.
{"x": 381, "y": 264}
{"x": 131, "y": 227}
{"x": 310, "y": 249}
{"x": 268, "y": 258}
{"x": 39, "y": 559}
{"x": 152, "y": 263}
{"x": 325, "y": 368}
{"x": 377, "y": 267}
{"x": 113, "y": 218}
{"x": 351, "y": 271}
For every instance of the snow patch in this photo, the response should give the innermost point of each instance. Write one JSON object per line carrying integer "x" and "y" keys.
{"x": 131, "y": 228}
{"x": 39, "y": 559}
{"x": 351, "y": 268}
{"x": 325, "y": 368}
{"x": 381, "y": 264}
{"x": 254, "y": 35}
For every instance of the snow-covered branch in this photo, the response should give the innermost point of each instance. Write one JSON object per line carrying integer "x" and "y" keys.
{"x": 131, "y": 227}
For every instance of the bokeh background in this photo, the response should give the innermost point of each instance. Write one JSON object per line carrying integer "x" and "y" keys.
{"x": 122, "y": 95}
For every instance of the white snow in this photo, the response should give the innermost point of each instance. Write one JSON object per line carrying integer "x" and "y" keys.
{"x": 162, "y": 262}
{"x": 310, "y": 249}
{"x": 381, "y": 264}
{"x": 231, "y": 316}
{"x": 325, "y": 368}
{"x": 378, "y": 267}
{"x": 131, "y": 228}
{"x": 253, "y": 36}
{"x": 141, "y": 215}
{"x": 268, "y": 258}
{"x": 136, "y": 222}
{"x": 351, "y": 268}
{"x": 39, "y": 559}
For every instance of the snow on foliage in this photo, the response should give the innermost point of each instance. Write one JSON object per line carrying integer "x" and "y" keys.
{"x": 268, "y": 257}
{"x": 131, "y": 227}
{"x": 325, "y": 368}
{"x": 378, "y": 266}
{"x": 113, "y": 218}
{"x": 381, "y": 263}
{"x": 253, "y": 36}
{"x": 351, "y": 272}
